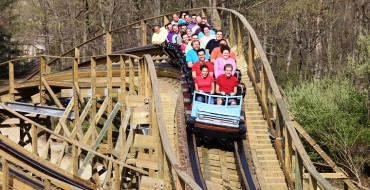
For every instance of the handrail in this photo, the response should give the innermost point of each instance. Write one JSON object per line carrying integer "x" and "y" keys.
{"x": 162, "y": 127}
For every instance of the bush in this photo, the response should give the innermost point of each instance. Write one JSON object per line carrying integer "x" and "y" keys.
{"x": 335, "y": 114}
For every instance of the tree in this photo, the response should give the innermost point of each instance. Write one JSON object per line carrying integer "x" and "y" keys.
{"x": 8, "y": 48}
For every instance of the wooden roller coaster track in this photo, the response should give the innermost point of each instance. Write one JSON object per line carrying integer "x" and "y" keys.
{"x": 113, "y": 121}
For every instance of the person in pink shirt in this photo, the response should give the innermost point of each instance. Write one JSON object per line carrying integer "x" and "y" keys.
{"x": 204, "y": 83}
{"x": 222, "y": 61}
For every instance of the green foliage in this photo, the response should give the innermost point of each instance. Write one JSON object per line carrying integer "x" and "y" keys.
{"x": 7, "y": 46}
{"x": 334, "y": 113}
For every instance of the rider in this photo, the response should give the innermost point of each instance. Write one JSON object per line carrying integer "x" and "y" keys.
{"x": 226, "y": 84}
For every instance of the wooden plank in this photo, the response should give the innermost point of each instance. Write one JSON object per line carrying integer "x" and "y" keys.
{"x": 144, "y": 160}
{"x": 148, "y": 183}
{"x": 141, "y": 115}
{"x": 85, "y": 93}
{"x": 134, "y": 101}
{"x": 144, "y": 141}
{"x": 11, "y": 121}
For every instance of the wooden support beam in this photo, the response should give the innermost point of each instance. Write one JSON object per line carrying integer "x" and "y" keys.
{"x": 56, "y": 100}
{"x": 34, "y": 139}
{"x": 298, "y": 172}
{"x": 93, "y": 99}
{"x": 122, "y": 133}
{"x": 76, "y": 62}
{"x": 100, "y": 137}
{"x": 5, "y": 172}
{"x": 108, "y": 37}
{"x": 76, "y": 143}
{"x": 11, "y": 81}
{"x": 42, "y": 87}
{"x": 116, "y": 177}
{"x": 240, "y": 38}
{"x": 143, "y": 33}
{"x": 132, "y": 76}
{"x": 110, "y": 101}
{"x": 75, "y": 160}
{"x": 231, "y": 31}
{"x": 288, "y": 152}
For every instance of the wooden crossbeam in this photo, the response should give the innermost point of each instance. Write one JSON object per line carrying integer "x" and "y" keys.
{"x": 100, "y": 137}
{"x": 56, "y": 100}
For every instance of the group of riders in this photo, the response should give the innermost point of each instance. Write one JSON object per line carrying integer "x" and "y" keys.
{"x": 208, "y": 55}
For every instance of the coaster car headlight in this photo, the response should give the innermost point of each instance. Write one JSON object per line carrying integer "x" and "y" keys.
{"x": 201, "y": 116}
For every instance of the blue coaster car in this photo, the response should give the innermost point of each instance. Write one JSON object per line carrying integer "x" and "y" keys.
{"x": 217, "y": 121}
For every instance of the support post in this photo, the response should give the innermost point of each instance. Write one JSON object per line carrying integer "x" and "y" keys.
{"x": 298, "y": 172}
{"x": 93, "y": 96}
{"x": 42, "y": 86}
{"x": 288, "y": 151}
{"x": 34, "y": 139}
{"x": 264, "y": 89}
{"x": 251, "y": 57}
{"x": 110, "y": 102}
{"x": 76, "y": 62}
{"x": 5, "y": 170}
{"x": 47, "y": 185}
{"x": 240, "y": 38}
{"x": 232, "y": 31}
{"x": 143, "y": 33}
{"x": 312, "y": 184}
{"x": 11, "y": 81}
{"x": 109, "y": 42}
{"x": 74, "y": 160}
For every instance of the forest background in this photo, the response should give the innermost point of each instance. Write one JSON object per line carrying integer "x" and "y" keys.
{"x": 319, "y": 52}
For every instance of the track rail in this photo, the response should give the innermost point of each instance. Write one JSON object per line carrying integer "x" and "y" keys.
{"x": 220, "y": 168}
{"x": 9, "y": 149}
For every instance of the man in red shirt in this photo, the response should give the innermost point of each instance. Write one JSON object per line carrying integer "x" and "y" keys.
{"x": 202, "y": 61}
{"x": 226, "y": 84}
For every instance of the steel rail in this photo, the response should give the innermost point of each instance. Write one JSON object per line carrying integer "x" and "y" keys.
{"x": 41, "y": 167}
{"x": 194, "y": 161}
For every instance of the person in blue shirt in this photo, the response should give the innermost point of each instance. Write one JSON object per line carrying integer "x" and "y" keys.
{"x": 192, "y": 55}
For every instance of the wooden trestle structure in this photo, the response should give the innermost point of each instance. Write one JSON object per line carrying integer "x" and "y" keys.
{"x": 110, "y": 121}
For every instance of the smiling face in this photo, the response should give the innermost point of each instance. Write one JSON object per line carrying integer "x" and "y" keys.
{"x": 175, "y": 28}
{"x": 185, "y": 38}
{"x": 204, "y": 72}
{"x": 183, "y": 29}
{"x": 187, "y": 18}
{"x": 228, "y": 71}
{"x": 201, "y": 55}
{"x": 225, "y": 54}
{"x": 194, "y": 19}
{"x": 188, "y": 32}
{"x": 195, "y": 45}
{"x": 206, "y": 31}
{"x": 219, "y": 35}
